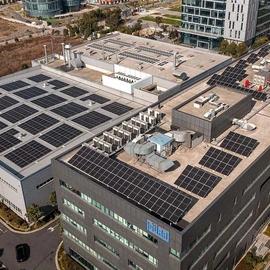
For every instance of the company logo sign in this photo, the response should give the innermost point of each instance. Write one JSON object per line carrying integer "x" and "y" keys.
{"x": 156, "y": 230}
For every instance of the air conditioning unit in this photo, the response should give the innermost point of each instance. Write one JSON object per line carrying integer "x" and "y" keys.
{"x": 150, "y": 111}
{"x": 136, "y": 130}
{"x": 157, "y": 115}
{"x": 106, "y": 136}
{"x": 152, "y": 120}
{"x": 141, "y": 115}
{"x": 127, "y": 136}
{"x": 133, "y": 121}
{"x": 108, "y": 148}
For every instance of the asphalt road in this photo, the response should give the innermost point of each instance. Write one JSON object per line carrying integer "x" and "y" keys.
{"x": 43, "y": 245}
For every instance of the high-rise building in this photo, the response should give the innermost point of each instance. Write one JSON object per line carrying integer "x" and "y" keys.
{"x": 206, "y": 23}
{"x": 182, "y": 184}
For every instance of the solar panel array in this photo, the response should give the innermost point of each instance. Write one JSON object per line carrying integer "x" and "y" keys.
{"x": 8, "y": 140}
{"x": 239, "y": 144}
{"x": 197, "y": 181}
{"x": 96, "y": 98}
{"x": 91, "y": 119}
{"x": 139, "y": 57}
{"x": 14, "y": 85}
{"x": 220, "y": 161}
{"x": 2, "y": 125}
{"x": 117, "y": 108}
{"x": 74, "y": 91}
{"x": 38, "y": 123}
{"x": 102, "y": 47}
{"x": 27, "y": 153}
{"x": 39, "y": 78}
{"x": 60, "y": 135}
{"x": 151, "y": 50}
{"x": 69, "y": 110}
{"x": 58, "y": 84}
{"x": 142, "y": 189}
{"x": 30, "y": 92}
{"x": 18, "y": 113}
{"x": 253, "y": 58}
{"x": 6, "y": 102}
{"x": 118, "y": 42}
{"x": 263, "y": 51}
{"x": 48, "y": 101}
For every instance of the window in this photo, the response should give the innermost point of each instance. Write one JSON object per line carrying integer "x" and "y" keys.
{"x": 82, "y": 260}
{"x": 73, "y": 207}
{"x": 74, "y": 223}
{"x": 174, "y": 252}
{"x": 134, "y": 265}
{"x": 44, "y": 183}
{"x": 106, "y": 246}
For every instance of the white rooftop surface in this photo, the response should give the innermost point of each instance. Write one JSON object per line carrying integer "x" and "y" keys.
{"x": 27, "y": 136}
{"x": 192, "y": 61}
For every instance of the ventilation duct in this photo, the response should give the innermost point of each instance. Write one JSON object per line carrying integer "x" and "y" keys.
{"x": 243, "y": 124}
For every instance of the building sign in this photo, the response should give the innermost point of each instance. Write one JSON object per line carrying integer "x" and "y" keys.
{"x": 156, "y": 230}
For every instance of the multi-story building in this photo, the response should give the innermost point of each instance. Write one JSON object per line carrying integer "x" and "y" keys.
{"x": 206, "y": 23}
{"x": 184, "y": 184}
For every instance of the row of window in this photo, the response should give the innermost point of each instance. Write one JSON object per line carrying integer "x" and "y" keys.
{"x": 74, "y": 223}
{"x": 106, "y": 246}
{"x": 126, "y": 242}
{"x": 10, "y": 204}
{"x": 113, "y": 215}
{"x": 90, "y": 250}
{"x": 81, "y": 260}
{"x": 134, "y": 265}
{"x": 73, "y": 207}
{"x": 9, "y": 185}
{"x": 44, "y": 183}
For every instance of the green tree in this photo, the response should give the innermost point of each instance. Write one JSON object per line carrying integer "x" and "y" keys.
{"x": 33, "y": 212}
{"x": 158, "y": 20}
{"x": 173, "y": 34}
{"x": 223, "y": 46}
{"x": 231, "y": 49}
{"x": 65, "y": 32}
{"x": 259, "y": 42}
{"x": 53, "y": 199}
{"x": 241, "y": 48}
{"x": 113, "y": 17}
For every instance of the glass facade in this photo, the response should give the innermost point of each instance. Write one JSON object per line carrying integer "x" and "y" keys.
{"x": 82, "y": 260}
{"x": 71, "y": 5}
{"x": 203, "y": 23}
{"x": 263, "y": 20}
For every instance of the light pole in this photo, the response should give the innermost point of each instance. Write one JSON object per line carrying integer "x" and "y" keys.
{"x": 52, "y": 48}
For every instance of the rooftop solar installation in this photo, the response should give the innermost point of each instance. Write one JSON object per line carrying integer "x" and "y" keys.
{"x": 61, "y": 135}
{"x": 197, "y": 181}
{"x": 39, "y": 78}
{"x": 74, "y": 91}
{"x": 117, "y": 108}
{"x": 220, "y": 161}
{"x": 139, "y": 57}
{"x": 151, "y": 50}
{"x": 2, "y": 125}
{"x": 6, "y": 102}
{"x": 239, "y": 144}
{"x": 30, "y": 92}
{"x": 91, "y": 119}
{"x": 69, "y": 110}
{"x": 8, "y": 140}
{"x": 18, "y": 113}
{"x": 38, "y": 123}
{"x": 118, "y": 42}
{"x": 96, "y": 98}
{"x": 252, "y": 58}
{"x": 102, "y": 47}
{"x": 14, "y": 85}
{"x": 263, "y": 51}
{"x": 58, "y": 84}
{"x": 48, "y": 101}
{"x": 27, "y": 153}
{"x": 142, "y": 189}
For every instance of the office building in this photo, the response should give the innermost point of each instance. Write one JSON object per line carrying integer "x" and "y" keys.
{"x": 184, "y": 183}
{"x": 206, "y": 23}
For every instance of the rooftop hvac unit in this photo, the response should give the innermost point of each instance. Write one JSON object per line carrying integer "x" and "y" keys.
{"x": 106, "y": 136}
{"x": 144, "y": 125}
{"x": 110, "y": 139}
{"x": 108, "y": 148}
{"x": 136, "y": 130}
{"x": 118, "y": 142}
{"x": 150, "y": 111}
{"x": 133, "y": 121}
{"x": 127, "y": 136}
{"x": 141, "y": 116}
{"x": 152, "y": 120}
{"x": 157, "y": 115}
{"x": 96, "y": 142}
{"x": 116, "y": 131}
{"x": 125, "y": 125}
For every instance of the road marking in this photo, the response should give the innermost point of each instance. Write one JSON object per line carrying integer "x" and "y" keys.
{"x": 51, "y": 229}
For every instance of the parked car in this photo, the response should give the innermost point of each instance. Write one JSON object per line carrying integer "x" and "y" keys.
{"x": 21, "y": 252}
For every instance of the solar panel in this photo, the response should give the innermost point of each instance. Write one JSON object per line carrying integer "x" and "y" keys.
{"x": 92, "y": 119}
{"x": 139, "y": 57}
{"x": 30, "y": 92}
{"x": 151, "y": 50}
{"x": 220, "y": 161}
{"x": 18, "y": 113}
{"x": 74, "y": 91}
{"x": 6, "y": 102}
{"x": 7, "y": 140}
{"x": 69, "y": 109}
{"x": 117, "y": 108}
{"x": 2, "y": 125}
{"x": 14, "y": 85}
{"x": 198, "y": 181}
{"x": 27, "y": 153}
{"x": 38, "y": 123}
{"x": 39, "y": 78}
{"x": 239, "y": 144}
{"x": 143, "y": 190}
{"x": 60, "y": 135}
{"x": 96, "y": 98}
{"x": 58, "y": 84}
{"x": 48, "y": 101}
{"x": 102, "y": 47}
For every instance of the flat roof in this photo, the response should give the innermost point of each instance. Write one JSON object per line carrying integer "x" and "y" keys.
{"x": 185, "y": 158}
{"x": 48, "y": 113}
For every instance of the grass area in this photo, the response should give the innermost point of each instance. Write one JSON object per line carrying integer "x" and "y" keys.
{"x": 11, "y": 28}
{"x": 66, "y": 262}
{"x": 267, "y": 231}
{"x": 172, "y": 16}
{"x": 179, "y": 9}
{"x": 50, "y": 20}
{"x": 164, "y": 20}
{"x": 12, "y": 219}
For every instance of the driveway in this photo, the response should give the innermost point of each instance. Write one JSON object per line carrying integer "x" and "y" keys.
{"x": 43, "y": 245}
